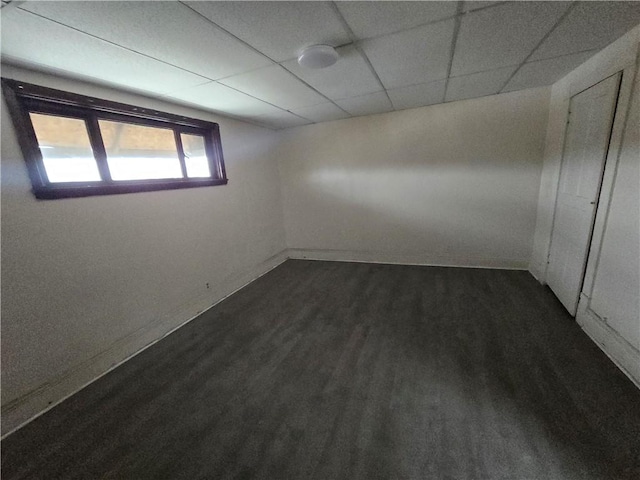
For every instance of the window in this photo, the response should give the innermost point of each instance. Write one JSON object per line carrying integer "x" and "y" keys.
{"x": 77, "y": 146}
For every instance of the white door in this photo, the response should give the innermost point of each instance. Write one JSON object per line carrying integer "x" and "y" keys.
{"x": 586, "y": 145}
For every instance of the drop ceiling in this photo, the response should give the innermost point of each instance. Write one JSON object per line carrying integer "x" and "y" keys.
{"x": 239, "y": 58}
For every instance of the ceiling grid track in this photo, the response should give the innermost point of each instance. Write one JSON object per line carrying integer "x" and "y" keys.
{"x": 248, "y": 45}
{"x": 356, "y": 41}
{"x": 458, "y": 13}
{"x": 109, "y": 41}
{"x": 238, "y": 65}
{"x": 163, "y": 96}
{"x": 8, "y": 4}
{"x": 452, "y": 51}
{"x": 555, "y": 25}
{"x": 357, "y": 46}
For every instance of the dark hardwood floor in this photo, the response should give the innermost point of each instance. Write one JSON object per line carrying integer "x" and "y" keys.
{"x": 326, "y": 370}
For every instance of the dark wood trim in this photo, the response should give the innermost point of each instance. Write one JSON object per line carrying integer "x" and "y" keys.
{"x": 89, "y": 190}
{"x": 149, "y": 122}
{"x": 180, "y": 148}
{"x": 37, "y": 92}
{"x": 97, "y": 144}
{"x": 216, "y": 155}
{"x": 23, "y": 98}
{"x": 26, "y": 138}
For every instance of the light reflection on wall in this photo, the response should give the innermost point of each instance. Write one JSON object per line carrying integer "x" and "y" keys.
{"x": 445, "y": 210}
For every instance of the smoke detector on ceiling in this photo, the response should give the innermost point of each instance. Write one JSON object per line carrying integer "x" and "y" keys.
{"x": 318, "y": 56}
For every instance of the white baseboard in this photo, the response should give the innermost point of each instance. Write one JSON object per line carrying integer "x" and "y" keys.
{"x": 26, "y": 408}
{"x": 537, "y": 273}
{"x": 408, "y": 259}
{"x": 621, "y": 352}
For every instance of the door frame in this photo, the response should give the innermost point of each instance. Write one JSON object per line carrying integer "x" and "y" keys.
{"x": 623, "y": 55}
{"x": 617, "y": 349}
{"x": 599, "y": 189}
{"x": 629, "y": 78}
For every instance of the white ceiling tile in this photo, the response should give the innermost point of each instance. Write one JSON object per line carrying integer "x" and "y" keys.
{"x": 366, "y": 104}
{"x": 348, "y": 77}
{"x": 546, "y": 72}
{"x": 278, "y": 29}
{"x": 590, "y": 25}
{"x": 469, "y": 6}
{"x": 415, "y": 96}
{"x": 321, "y": 113}
{"x": 168, "y": 31}
{"x": 213, "y": 96}
{"x": 477, "y": 84}
{"x": 412, "y": 64}
{"x": 503, "y": 35}
{"x": 35, "y": 41}
{"x": 415, "y": 56}
{"x": 275, "y": 85}
{"x": 372, "y": 19}
{"x": 227, "y": 101}
{"x": 280, "y": 119}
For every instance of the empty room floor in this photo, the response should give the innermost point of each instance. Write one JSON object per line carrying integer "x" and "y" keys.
{"x": 328, "y": 370}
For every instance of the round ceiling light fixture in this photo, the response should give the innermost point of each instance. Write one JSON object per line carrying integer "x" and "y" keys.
{"x": 318, "y": 56}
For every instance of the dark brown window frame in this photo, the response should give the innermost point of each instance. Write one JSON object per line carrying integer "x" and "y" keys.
{"x": 24, "y": 98}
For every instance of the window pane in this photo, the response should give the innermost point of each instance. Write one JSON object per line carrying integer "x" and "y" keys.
{"x": 66, "y": 149}
{"x": 137, "y": 152}
{"x": 195, "y": 156}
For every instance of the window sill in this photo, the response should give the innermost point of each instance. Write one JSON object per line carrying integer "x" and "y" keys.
{"x": 134, "y": 186}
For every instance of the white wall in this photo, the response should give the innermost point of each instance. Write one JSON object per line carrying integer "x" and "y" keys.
{"x": 88, "y": 281}
{"x": 615, "y": 295}
{"x": 452, "y": 184}
{"x": 616, "y": 286}
{"x": 609, "y": 308}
